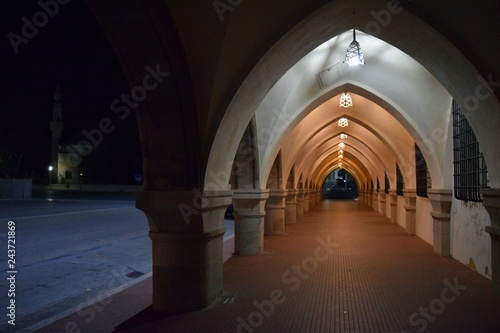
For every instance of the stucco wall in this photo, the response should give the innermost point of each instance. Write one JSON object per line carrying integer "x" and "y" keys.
{"x": 470, "y": 244}
{"x": 401, "y": 211}
{"x": 424, "y": 220}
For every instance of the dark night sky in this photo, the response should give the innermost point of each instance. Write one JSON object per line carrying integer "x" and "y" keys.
{"x": 70, "y": 50}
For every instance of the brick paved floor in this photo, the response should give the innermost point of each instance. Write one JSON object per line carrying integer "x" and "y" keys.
{"x": 341, "y": 268}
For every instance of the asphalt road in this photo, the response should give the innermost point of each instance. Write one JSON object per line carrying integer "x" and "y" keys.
{"x": 71, "y": 248}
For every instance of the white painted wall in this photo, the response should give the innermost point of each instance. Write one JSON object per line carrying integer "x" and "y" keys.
{"x": 424, "y": 220}
{"x": 469, "y": 241}
{"x": 401, "y": 211}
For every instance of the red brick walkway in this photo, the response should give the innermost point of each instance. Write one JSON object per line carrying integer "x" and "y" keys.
{"x": 341, "y": 268}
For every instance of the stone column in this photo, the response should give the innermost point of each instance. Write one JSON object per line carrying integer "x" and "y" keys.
{"x": 393, "y": 201}
{"x": 491, "y": 201}
{"x": 291, "y": 207}
{"x": 307, "y": 193}
{"x": 274, "y": 221}
{"x": 441, "y": 208}
{"x": 249, "y": 215}
{"x": 375, "y": 200}
{"x": 300, "y": 202}
{"x": 186, "y": 229}
{"x": 382, "y": 200}
{"x": 411, "y": 209}
{"x": 313, "y": 198}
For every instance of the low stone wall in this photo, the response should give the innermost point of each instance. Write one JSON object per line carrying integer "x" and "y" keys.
{"x": 15, "y": 188}
{"x": 90, "y": 188}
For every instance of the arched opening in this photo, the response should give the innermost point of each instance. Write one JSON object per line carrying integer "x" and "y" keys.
{"x": 340, "y": 184}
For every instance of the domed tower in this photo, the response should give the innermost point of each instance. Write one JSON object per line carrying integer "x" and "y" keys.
{"x": 56, "y": 127}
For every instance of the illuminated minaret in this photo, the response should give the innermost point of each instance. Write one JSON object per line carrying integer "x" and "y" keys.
{"x": 56, "y": 127}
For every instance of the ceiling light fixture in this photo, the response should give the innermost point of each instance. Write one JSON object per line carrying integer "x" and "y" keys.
{"x": 343, "y": 122}
{"x": 343, "y": 136}
{"x": 354, "y": 55}
{"x": 341, "y": 145}
{"x": 345, "y": 100}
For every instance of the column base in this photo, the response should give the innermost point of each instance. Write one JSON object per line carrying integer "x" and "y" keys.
{"x": 190, "y": 262}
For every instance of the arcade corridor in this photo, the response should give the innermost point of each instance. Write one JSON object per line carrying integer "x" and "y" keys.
{"x": 253, "y": 104}
{"x": 341, "y": 268}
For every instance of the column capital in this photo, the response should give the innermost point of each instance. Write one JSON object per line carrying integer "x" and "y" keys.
{"x": 393, "y": 197}
{"x": 410, "y": 196}
{"x": 183, "y": 211}
{"x": 441, "y": 201}
{"x": 441, "y": 207}
{"x": 186, "y": 231}
{"x": 278, "y": 192}
{"x": 491, "y": 201}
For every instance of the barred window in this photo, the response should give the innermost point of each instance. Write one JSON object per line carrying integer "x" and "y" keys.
{"x": 399, "y": 181}
{"x": 470, "y": 172}
{"x": 387, "y": 184}
{"x": 424, "y": 181}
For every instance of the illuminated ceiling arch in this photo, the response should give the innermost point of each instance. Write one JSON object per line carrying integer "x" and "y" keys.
{"x": 286, "y": 89}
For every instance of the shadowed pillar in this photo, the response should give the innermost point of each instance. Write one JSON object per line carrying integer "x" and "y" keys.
{"x": 382, "y": 199}
{"x": 291, "y": 207}
{"x": 187, "y": 232}
{"x": 307, "y": 198}
{"x": 300, "y": 202}
{"x": 491, "y": 201}
{"x": 274, "y": 222}
{"x": 410, "y": 196}
{"x": 249, "y": 212}
{"x": 375, "y": 200}
{"x": 393, "y": 202}
{"x": 441, "y": 207}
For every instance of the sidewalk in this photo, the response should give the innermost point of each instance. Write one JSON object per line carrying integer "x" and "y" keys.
{"x": 341, "y": 268}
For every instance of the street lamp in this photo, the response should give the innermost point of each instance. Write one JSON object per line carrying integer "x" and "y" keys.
{"x": 50, "y": 176}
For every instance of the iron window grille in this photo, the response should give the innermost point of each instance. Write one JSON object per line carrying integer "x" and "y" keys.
{"x": 470, "y": 172}
{"x": 399, "y": 181}
{"x": 423, "y": 177}
{"x": 387, "y": 184}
